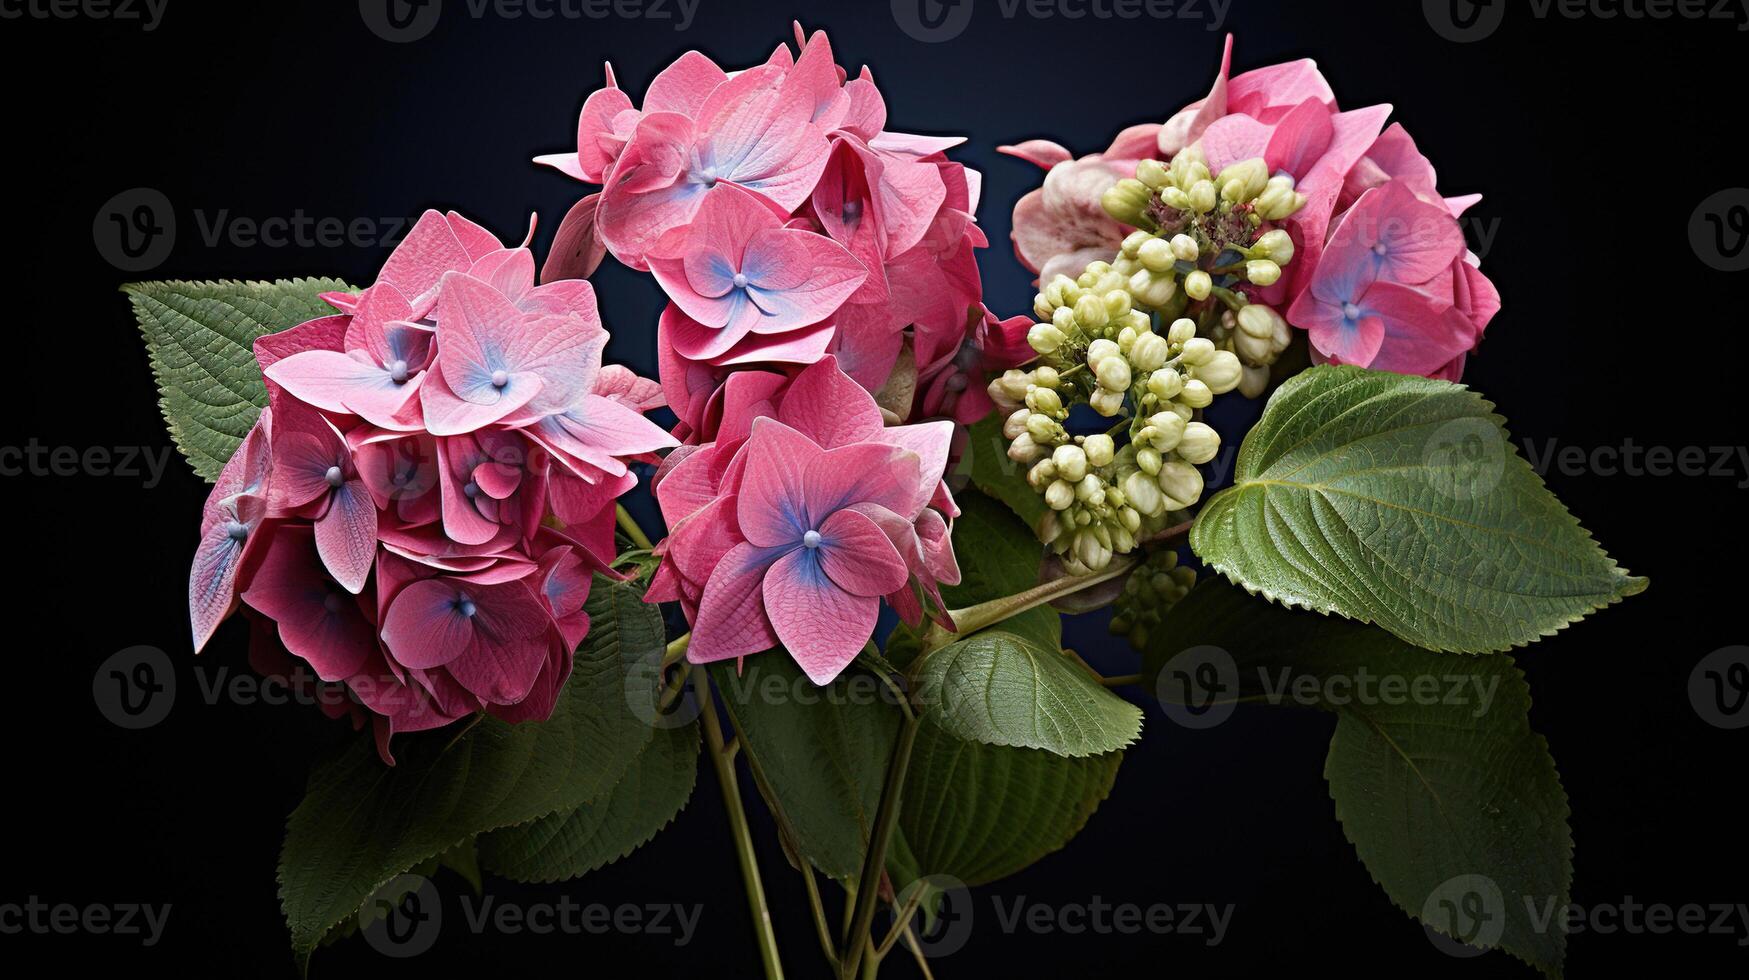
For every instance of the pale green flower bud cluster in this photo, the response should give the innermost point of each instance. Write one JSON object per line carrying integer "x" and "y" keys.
{"x": 1151, "y": 591}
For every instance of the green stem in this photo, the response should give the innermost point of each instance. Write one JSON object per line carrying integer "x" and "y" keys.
{"x": 631, "y": 528}
{"x": 868, "y": 884}
{"x": 725, "y": 768}
{"x": 1126, "y": 680}
{"x": 985, "y": 614}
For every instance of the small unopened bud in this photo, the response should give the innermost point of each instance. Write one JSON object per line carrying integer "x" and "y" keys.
{"x": 1275, "y": 245}
{"x": 1099, "y": 350}
{"x": 1253, "y": 349}
{"x": 1117, "y": 305}
{"x": 1106, "y": 403}
{"x": 1071, "y": 462}
{"x": 1262, "y": 272}
{"x": 1149, "y": 460}
{"x": 1046, "y": 377}
{"x": 1258, "y": 320}
{"x": 1185, "y": 249}
{"x": 1091, "y": 490}
{"x": 1181, "y": 483}
{"x": 1182, "y": 329}
{"x": 1044, "y": 400}
{"x": 1041, "y": 474}
{"x": 1196, "y": 394}
{"x": 1252, "y": 177}
{"x": 1126, "y": 200}
{"x": 1203, "y": 197}
{"x": 1165, "y": 384}
{"x": 1133, "y": 242}
{"x": 1254, "y": 381}
{"x": 1044, "y": 338}
{"x": 1155, "y": 255}
{"x": 1222, "y": 372}
{"x": 1090, "y": 551}
{"x": 1175, "y": 199}
{"x": 1198, "y": 350}
{"x": 1042, "y": 428}
{"x": 1113, "y": 374}
{"x": 1144, "y": 494}
{"x": 1277, "y": 203}
{"x": 1060, "y": 495}
{"x": 1015, "y": 424}
{"x": 1198, "y": 284}
{"x": 1101, "y": 449}
{"x": 1150, "y": 352}
{"x": 1024, "y": 449}
{"x": 1090, "y": 312}
{"x": 1168, "y": 431}
{"x": 1200, "y": 443}
{"x": 1153, "y": 173}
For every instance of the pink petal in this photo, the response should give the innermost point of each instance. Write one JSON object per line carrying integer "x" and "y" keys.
{"x": 346, "y": 535}
{"x": 731, "y": 620}
{"x": 1300, "y": 138}
{"x": 824, "y": 404}
{"x": 821, "y": 625}
{"x": 1043, "y": 154}
{"x": 425, "y": 626}
{"x": 430, "y": 249}
{"x": 684, "y": 85}
{"x": 577, "y": 246}
{"x": 857, "y": 556}
{"x": 774, "y": 497}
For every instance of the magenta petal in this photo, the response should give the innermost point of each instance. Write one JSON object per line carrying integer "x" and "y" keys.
{"x": 317, "y": 622}
{"x": 1300, "y": 138}
{"x": 430, "y": 249}
{"x": 731, "y": 619}
{"x": 1043, "y": 154}
{"x": 577, "y": 246}
{"x": 1234, "y": 139}
{"x": 774, "y": 497}
{"x": 857, "y": 556}
{"x": 828, "y": 407}
{"x": 425, "y": 626}
{"x": 346, "y": 535}
{"x": 823, "y": 626}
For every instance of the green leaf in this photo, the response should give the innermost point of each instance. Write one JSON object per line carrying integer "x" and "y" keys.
{"x": 982, "y": 812}
{"x": 986, "y": 460}
{"x": 199, "y": 337}
{"x": 362, "y": 823}
{"x": 819, "y": 754}
{"x": 1003, "y": 689}
{"x": 572, "y": 843}
{"x": 1399, "y": 501}
{"x": 1438, "y": 779}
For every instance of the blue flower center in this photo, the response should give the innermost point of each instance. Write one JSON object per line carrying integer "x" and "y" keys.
{"x": 1351, "y": 311}
{"x": 740, "y": 280}
{"x": 811, "y": 539}
{"x": 472, "y": 489}
{"x": 236, "y": 530}
{"x": 466, "y": 607}
{"x": 500, "y": 378}
{"x": 334, "y": 476}
{"x": 398, "y": 372}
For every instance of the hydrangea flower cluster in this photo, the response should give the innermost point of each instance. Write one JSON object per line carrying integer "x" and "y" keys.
{"x": 805, "y": 511}
{"x": 786, "y": 224}
{"x": 420, "y": 508}
{"x": 1380, "y": 277}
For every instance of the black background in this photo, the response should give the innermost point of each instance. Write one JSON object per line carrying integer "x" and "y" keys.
{"x": 1594, "y": 139}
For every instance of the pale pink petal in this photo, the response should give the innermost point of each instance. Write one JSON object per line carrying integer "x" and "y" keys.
{"x": 821, "y": 625}
{"x": 346, "y": 535}
{"x": 856, "y": 555}
{"x": 731, "y": 619}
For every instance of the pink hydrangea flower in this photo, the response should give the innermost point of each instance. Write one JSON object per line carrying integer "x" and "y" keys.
{"x": 900, "y": 492}
{"x": 390, "y": 517}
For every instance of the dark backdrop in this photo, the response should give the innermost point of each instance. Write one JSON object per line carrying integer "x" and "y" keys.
{"x": 1594, "y": 138}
